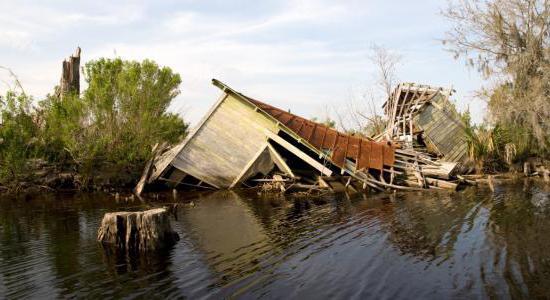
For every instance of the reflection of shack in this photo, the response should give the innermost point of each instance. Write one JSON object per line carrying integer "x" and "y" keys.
{"x": 225, "y": 227}
{"x": 425, "y": 225}
{"x": 244, "y": 141}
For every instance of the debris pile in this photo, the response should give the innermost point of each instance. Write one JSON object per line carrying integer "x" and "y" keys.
{"x": 429, "y": 133}
{"x": 246, "y": 142}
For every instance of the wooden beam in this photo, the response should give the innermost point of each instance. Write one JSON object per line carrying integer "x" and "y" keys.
{"x": 146, "y": 172}
{"x": 294, "y": 150}
{"x": 248, "y": 165}
{"x": 279, "y": 161}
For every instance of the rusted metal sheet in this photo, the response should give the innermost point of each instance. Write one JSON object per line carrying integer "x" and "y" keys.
{"x": 365, "y": 153}
{"x": 376, "y": 156}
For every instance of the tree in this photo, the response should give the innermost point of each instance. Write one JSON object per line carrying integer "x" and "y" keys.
{"x": 362, "y": 115}
{"x": 126, "y": 108}
{"x": 508, "y": 41}
{"x": 386, "y": 63}
{"x": 121, "y": 115}
{"x": 18, "y": 133}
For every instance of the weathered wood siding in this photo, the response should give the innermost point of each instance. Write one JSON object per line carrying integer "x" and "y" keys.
{"x": 225, "y": 143}
{"x": 443, "y": 128}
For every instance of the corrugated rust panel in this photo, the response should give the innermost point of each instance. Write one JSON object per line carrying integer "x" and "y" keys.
{"x": 339, "y": 156}
{"x": 389, "y": 156}
{"x": 353, "y": 148}
{"x": 307, "y": 130}
{"x": 339, "y": 153}
{"x": 295, "y": 124}
{"x": 376, "y": 156}
{"x": 318, "y": 136}
{"x": 364, "y": 156}
{"x": 284, "y": 118}
{"x": 366, "y": 153}
{"x": 330, "y": 139}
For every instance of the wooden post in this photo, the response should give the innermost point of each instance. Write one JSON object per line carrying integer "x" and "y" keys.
{"x": 490, "y": 180}
{"x": 545, "y": 174}
{"x": 527, "y": 168}
{"x": 70, "y": 76}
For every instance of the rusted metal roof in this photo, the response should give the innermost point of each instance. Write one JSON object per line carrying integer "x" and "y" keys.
{"x": 367, "y": 154}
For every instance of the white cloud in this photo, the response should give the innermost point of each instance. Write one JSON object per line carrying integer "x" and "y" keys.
{"x": 201, "y": 26}
{"x": 16, "y": 39}
{"x": 23, "y": 23}
{"x": 304, "y": 55}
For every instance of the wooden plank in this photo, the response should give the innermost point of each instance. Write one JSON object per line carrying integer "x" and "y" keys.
{"x": 146, "y": 171}
{"x": 457, "y": 153}
{"x": 306, "y": 158}
{"x": 279, "y": 161}
{"x": 167, "y": 158}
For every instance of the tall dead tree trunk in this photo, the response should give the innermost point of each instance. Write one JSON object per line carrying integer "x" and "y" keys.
{"x": 70, "y": 76}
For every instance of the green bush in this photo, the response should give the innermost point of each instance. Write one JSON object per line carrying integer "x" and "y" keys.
{"x": 18, "y": 136}
{"x": 486, "y": 145}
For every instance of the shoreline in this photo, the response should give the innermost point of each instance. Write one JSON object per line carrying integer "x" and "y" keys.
{"x": 69, "y": 184}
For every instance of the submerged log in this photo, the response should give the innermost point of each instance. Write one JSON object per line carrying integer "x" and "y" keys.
{"x": 137, "y": 231}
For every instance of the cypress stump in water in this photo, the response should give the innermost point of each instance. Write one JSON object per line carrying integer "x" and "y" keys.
{"x": 137, "y": 231}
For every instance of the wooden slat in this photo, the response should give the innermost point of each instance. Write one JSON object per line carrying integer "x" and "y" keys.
{"x": 279, "y": 161}
{"x": 248, "y": 165}
{"x": 306, "y": 158}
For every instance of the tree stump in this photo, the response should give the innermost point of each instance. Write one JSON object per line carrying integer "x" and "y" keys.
{"x": 137, "y": 231}
{"x": 70, "y": 76}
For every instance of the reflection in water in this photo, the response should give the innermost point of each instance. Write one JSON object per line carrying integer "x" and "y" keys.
{"x": 473, "y": 243}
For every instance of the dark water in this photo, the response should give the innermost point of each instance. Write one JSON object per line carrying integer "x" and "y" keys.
{"x": 470, "y": 244}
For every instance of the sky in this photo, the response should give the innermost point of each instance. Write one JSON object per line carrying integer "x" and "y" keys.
{"x": 308, "y": 56}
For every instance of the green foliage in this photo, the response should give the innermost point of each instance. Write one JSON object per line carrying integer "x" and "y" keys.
{"x": 486, "y": 146}
{"x": 509, "y": 42}
{"x": 18, "y": 135}
{"x": 524, "y": 113}
{"x": 108, "y": 132}
{"x": 126, "y": 104}
{"x": 61, "y": 127}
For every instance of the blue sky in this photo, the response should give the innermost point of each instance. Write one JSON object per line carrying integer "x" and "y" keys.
{"x": 309, "y": 56}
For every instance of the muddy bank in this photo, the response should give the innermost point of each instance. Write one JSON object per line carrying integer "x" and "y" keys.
{"x": 43, "y": 177}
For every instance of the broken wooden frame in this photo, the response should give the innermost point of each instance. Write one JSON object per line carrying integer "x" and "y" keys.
{"x": 241, "y": 138}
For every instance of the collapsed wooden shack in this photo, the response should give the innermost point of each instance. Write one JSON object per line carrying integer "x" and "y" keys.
{"x": 422, "y": 121}
{"x": 422, "y": 118}
{"x": 243, "y": 141}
